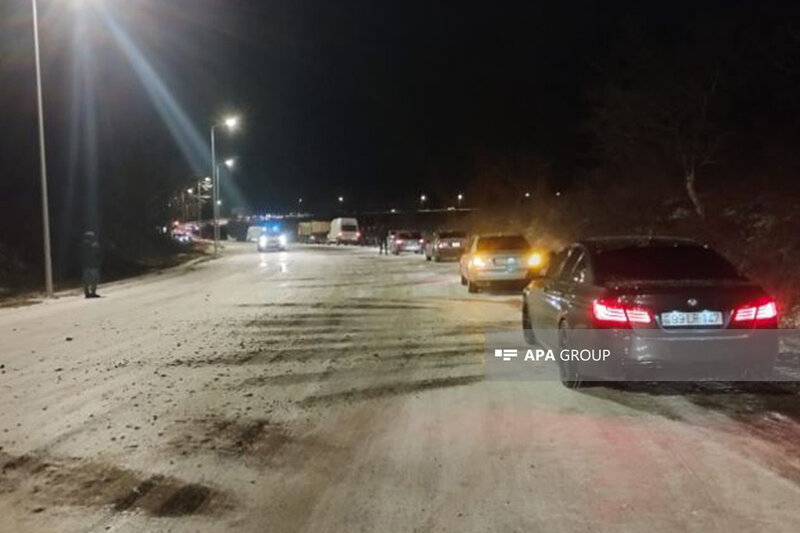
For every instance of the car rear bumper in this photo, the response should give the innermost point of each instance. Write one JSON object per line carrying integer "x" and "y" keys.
{"x": 725, "y": 354}
{"x": 448, "y": 253}
{"x": 409, "y": 249}
{"x": 491, "y": 275}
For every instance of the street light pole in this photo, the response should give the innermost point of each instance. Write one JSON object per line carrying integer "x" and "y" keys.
{"x": 214, "y": 189}
{"x": 230, "y": 123}
{"x": 48, "y": 260}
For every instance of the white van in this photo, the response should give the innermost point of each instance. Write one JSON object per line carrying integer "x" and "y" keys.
{"x": 343, "y": 231}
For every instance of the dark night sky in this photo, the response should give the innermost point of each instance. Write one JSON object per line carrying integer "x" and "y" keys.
{"x": 376, "y": 100}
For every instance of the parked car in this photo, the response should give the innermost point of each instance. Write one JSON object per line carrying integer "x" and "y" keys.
{"x": 445, "y": 245}
{"x": 344, "y": 231}
{"x": 680, "y": 305}
{"x": 406, "y": 241}
{"x": 498, "y": 261}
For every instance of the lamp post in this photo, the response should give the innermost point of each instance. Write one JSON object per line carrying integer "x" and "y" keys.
{"x": 422, "y": 199}
{"x": 48, "y": 260}
{"x": 230, "y": 123}
{"x": 229, "y": 163}
{"x": 459, "y": 198}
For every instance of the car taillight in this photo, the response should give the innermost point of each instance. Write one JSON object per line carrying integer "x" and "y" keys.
{"x": 760, "y": 312}
{"x": 612, "y": 313}
{"x": 399, "y": 241}
{"x": 422, "y": 241}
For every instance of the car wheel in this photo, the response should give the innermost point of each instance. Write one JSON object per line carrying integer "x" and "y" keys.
{"x": 527, "y": 328}
{"x": 436, "y": 258}
{"x": 569, "y": 374}
{"x": 471, "y": 287}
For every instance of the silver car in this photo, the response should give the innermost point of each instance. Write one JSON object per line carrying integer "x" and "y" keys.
{"x": 444, "y": 245}
{"x": 498, "y": 261}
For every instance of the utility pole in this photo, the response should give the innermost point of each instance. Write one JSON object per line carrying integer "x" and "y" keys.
{"x": 48, "y": 260}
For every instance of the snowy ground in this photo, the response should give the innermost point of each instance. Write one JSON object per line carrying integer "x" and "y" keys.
{"x": 329, "y": 389}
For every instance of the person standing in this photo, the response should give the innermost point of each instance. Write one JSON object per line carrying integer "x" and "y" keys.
{"x": 91, "y": 257}
{"x": 383, "y": 240}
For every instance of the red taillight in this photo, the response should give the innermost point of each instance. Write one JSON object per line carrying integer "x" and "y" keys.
{"x": 399, "y": 241}
{"x": 757, "y": 312}
{"x": 613, "y": 313}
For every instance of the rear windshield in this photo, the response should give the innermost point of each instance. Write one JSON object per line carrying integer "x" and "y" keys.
{"x": 349, "y": 227}
{"x": 452, "y": 235}
{"x": 645, "y": 263}
{"x": 409, "y": 235}
{"x": 503, "y": 242}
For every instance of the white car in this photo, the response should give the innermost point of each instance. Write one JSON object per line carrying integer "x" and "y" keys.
{"x": 498, "y": 261}
{"x": 272, "y": 240}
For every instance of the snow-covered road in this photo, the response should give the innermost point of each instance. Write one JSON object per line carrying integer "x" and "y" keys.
{"x": 329, "y": 389}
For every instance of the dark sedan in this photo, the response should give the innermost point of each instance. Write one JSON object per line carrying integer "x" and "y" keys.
{"x": 668, "y": 306}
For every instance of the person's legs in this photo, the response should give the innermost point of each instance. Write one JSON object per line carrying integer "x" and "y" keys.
{"x": 86, "y": 281}
{"x": 94, "y": 279}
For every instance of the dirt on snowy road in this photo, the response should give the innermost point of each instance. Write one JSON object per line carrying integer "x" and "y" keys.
{"x": 329, "y": 389}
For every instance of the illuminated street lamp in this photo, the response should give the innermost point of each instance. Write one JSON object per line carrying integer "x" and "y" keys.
{"x": 422, "y": 199}
{"x": 231, "y": 123}
{"x": 229, "y": 163}
{"x": 460, "y": 197}
{"x": 527, "y": 195}
{"x": 48, "y": 262}
{"x": 341, "y": 199}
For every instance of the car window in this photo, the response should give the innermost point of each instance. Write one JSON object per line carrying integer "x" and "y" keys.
{"x": 349, "y": 227}
{"x": 569, "y": 263}
{"x": 580, "y": 272}
{"x": 452, "y": 235}
{"x": 554, "y": 268}
{"x": 663, "y": 263}
{"x": 503, "y": 242}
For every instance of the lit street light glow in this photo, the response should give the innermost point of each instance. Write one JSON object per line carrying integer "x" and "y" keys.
{"x": 231, "y": 122}
{"x": 230, "y": 162}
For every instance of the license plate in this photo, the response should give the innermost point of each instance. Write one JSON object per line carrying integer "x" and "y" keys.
{"x": 698, "y": 318}
{"x": 455, "y": 244}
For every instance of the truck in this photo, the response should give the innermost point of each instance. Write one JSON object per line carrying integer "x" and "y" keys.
{"x": 313, "y": 231}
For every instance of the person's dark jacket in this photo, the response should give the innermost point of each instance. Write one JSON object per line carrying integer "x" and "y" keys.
{"x": 91, "y": 255}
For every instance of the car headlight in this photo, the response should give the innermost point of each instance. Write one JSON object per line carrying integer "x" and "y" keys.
{"x": 478, "y": 262}
{"x": 282, "y": 239}
{"x": 535, "y": 260}
{"x": 262, "y": 241}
